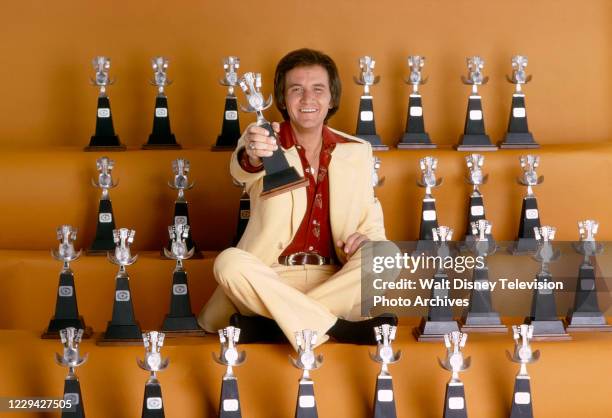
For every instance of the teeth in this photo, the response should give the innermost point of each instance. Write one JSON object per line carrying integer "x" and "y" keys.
{"x": 308, "y": 110}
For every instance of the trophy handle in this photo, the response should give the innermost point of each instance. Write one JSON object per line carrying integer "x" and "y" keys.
{"x": 373, "y": 357}
{"x": 294, "y": 362}
{"x": 485, "y": 179}
{"x": 466, "y": 80}
{"x": 444, "y": 364}
{"x": 510, "y": 357}
{"x": 485, "y": 80}
{"x": 535, "y": 356}
{"x": 164, "y": 364}
{"x": 511, "y": 80}
{"x": 142, "y": 365}
{"x": 358, "y": 81}
{"x": 218, "y": 359}
{"x": 541, "y": 179}
{"x": 467, "y": 363}
{"x": 169, "y": 254}
{"x": 376, "y": 79}
{"x": 439, "y": 182}
{"x": 241, "y": 358}
{"x": 59, "y": 360}
{"x": 381, "y": 181}
{"x": 223, "y": 82}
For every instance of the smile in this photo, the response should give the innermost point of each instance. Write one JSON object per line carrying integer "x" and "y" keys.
{"x": 308, "y": 110}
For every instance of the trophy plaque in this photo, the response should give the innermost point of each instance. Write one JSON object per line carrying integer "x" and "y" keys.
{"x": 180, "y": 319}
{"x": 454, "y": 400}
{"x": 104, "y": 242}
{"x": 244, "y": 213}
{"x": 415, "y": 135}
{"x": 384, "y": 399}
{"x": 429, "y": 217}
{"x": 161, "y": 137}
{"x": 153, "y": 404}
{"x": 366, "y": 126}
{"x": 530, "y": 216}
{"x": 546, "y": 324}
{"x": 586, "y": 315}
{"x": 476, "y": 210}
{"x": 474, "y": 137}
{"x": 229, "y": 356}
{"x": 522, "y": 406}
{"x": 105, "y": 137}
{"x": 180, "y": 182}
{"x": 306, "y": 406}
{"x": 66, "y": 308}
{"x": 518, "y": 135}
{"x": 280, "y": 176}
{"x": 439, "y": 320}
{"x": 71, "y": 358}
{"x": 230, "y": 130}
{"x": 123, "y": 327}
{"x": 480, "y": 316}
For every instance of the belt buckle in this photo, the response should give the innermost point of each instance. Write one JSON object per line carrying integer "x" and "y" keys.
{"x": 291, "y": 258}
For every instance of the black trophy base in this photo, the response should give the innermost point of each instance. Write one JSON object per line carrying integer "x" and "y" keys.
{"x": 105, "y": 143}
{"x": 72, "y": 393}
{"x": 98, "y": 252}
{"x": 548, "y": 330}
{"x": 153, "y": 403}
{"x": 129, "y": 334}
{"x": 429, "y": 331}
{"x": 522, "y": 406}
{"x": 478, "y": 142}
{"x": 454, "y": 401}
{"x": 306, "y": 406}
{"x": 515, "y": 140}
{"x": 182, "y": 324}
{"x": 281, "y": 182}
{"x": 158, "y": 142}
{"x": 523, "y": 246}
{"x": 223, "y": 148}
{"x": 424, "y": 247}
{"x": 229, "y": 403}
{"x": 384, "y": 399}
{"x": 587, "y": 322}
{"x": 374, "y": 141}
{"x": 55, "y": 325}
{"x": 416, "y": 141}
{"x": 483, "y": 322}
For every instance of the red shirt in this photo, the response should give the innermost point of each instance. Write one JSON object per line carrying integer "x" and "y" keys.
{"x": 314, "y": 234}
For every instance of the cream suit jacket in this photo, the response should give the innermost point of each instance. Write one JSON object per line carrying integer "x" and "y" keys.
{"x": 353, "y": 206}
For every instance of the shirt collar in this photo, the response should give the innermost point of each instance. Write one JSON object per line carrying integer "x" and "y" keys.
{"x": 287, "y": 140}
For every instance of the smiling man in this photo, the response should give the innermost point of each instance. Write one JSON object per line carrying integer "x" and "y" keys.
{"x": 298, "y": 264}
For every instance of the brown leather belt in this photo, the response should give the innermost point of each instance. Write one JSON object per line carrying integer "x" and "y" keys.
{"x": 299, "y": 259}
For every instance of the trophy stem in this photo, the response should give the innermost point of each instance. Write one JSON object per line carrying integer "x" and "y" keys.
{"x": 546, "y": 324}
{"x": 161, "y": 137}
{"x": 474, "y": 137}
{"x": 230, "y": 130}
{"x": 152, "y": 405}
{"x": 366, "y": 125}
{"x": 521, "y": 398}
{"x": 72, "y": 393}
{"x": 103, "y": 241}
{"x": 454, "y": 401}
{"x": 229, "y": 404}
{"x": 415, "y": 135}
{"x": 384, "y": 401}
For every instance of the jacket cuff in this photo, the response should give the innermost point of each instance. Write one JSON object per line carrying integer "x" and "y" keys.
{"x": 246, "y": 165}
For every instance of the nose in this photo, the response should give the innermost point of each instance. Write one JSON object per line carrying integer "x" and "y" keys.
{"x": 306, "y": 95}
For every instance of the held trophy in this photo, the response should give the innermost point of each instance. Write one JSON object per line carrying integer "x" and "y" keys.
{"x": 366, "y": 126}
{"x": 530, "y": 216}
{"x": 476, "y": 178}
{"x": 161, "y": 137}
{"x": 152, "y": 404}
{"x": 123, "y": 327}
{"x": 105, "y": 137}
{"x": 439, "y": 320}
{"x": 474, "y": 137}
{"x": 586, "y": 315}
{"x": 480, "y": 316}
{"x": 180, "y": 182}
{"x": 71, "y": 339}
{"x": 546, "y": 324}
{"x": 415, "y": 135}
{"x": 280, "y": 176}
{"x": 244, "y": 213}
{"x": 230, "y": 130}
{"x": 66, "y": 308}
{"x": 522, "y": 406}
{"x": 454, "y": 400}
{"x": 229, "y": 356}
{"x": 307, "y": 361}
{"x": 180, "y": 319}
{"x": 384, "y": 401}
{"x": 104, "y": 242}
{"x": 518, "y": 135}
{"x": 429, "y": 217}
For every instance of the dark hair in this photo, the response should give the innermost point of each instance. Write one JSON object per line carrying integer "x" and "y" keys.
{"x": 304, "y": 58}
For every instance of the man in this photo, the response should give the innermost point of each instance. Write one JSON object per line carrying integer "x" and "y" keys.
{"x": 298, "y": 264}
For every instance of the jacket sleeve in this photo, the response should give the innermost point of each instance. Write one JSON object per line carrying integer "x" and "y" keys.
{"x": 237, "y": 172}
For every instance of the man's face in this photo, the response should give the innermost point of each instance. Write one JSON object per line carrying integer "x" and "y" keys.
{"x": 307, "y": 96}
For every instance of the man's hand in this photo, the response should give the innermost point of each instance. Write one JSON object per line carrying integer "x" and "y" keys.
{"x": 352, "y": 244}
{"x": 258, "y": 143}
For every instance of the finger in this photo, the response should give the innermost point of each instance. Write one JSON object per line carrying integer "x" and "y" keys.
{"x": 276, "y": 127}
{"x": 258, "y": 130}
{"x": 339, "y": 243}
{"x": 349, "y": 241}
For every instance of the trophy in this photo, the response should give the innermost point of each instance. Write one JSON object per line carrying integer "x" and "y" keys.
{"x": 71, "y": 338}
{"x": 229, "y": 404}
{"x": 454, "y": 400}
{"x": 439, "y": 320}
{"x": 66, "y": 308}
{"x": 366, "y": 126}
{"x": 480, "y": 316}
{"x": 384, "y": 401}
{"x": 522, "y": 406}
{"x": 546, "y": 324}
{"x": 280, "y": 176}
{"x": 105, "y": 137}
{"x": 376, "y": 180}
{"x": 244, "y": 213}
{"x": 123, "y": 326}
{"x": 429, "y": 218}
{"x": 476, "y": 178}
{"x": 306, "y": 406}
{"x": 586, "y": 315}
{"x": 474, "y": 137}
{"x": 161, "y": 137}
{"x": 415, "y": 135}
{"x": 530, "y": 217}
{"x": 153, "y": 405}
{"x": 103, "y": 242}
{"x": 180, "y": 319}
{"x": 181, "y": 167}
{"x": 230, "y": 130}
{"x": 518, "y": 135}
